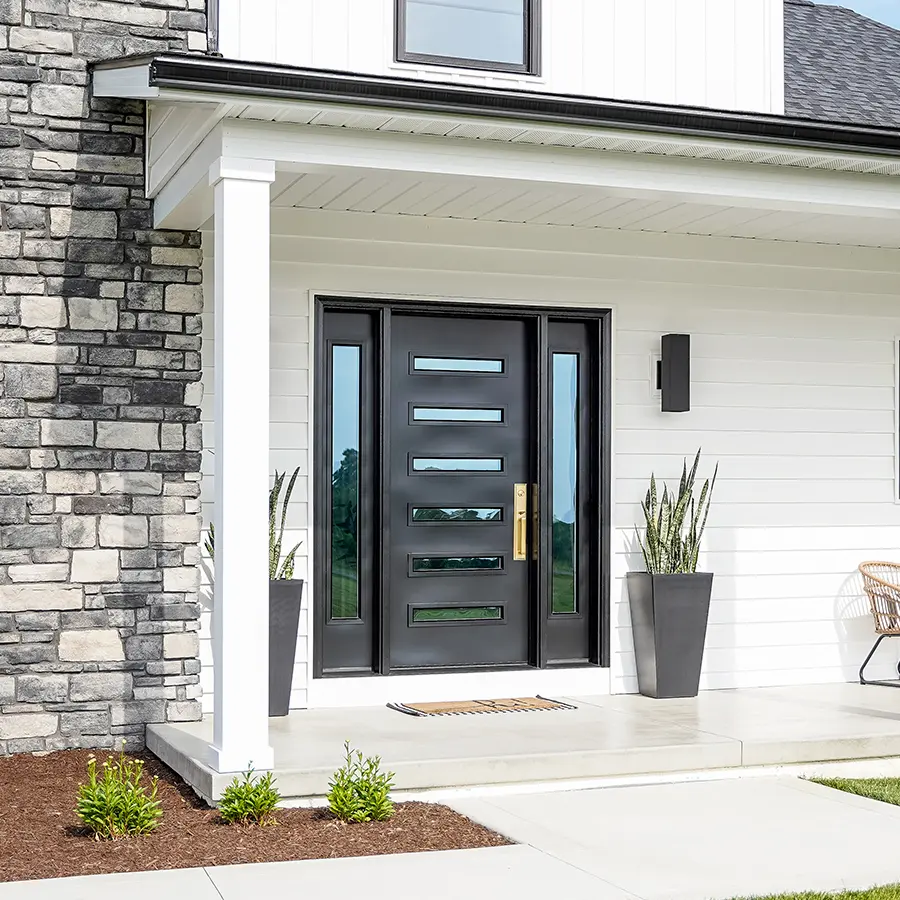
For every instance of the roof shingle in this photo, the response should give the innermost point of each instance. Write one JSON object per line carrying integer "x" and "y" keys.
{"x": 840, "y": 66}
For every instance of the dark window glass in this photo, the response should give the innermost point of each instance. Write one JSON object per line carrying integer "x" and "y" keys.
{"x": 456, "y": 563}
{"x": 345, "y": 431}
{"x": 565, "y": 482}
{"x": 442, "y": 464}
{"x": 457, "y": 614}
{"x": 434, "y": 514}
{"x": 488, "y": 31}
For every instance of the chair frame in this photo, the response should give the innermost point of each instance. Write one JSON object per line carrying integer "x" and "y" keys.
{"x": 884, "y": 600}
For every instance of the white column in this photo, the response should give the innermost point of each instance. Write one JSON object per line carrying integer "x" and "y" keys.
{"x": 241, "y": 593}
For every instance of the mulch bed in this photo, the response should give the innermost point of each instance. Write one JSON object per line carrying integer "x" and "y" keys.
{"x": 41, "y": 837}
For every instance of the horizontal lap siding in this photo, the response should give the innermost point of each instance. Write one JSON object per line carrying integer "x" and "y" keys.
{"x": 796, "y": 402}
{"x": 288, "y": 447}
{"x": 793, "y": 394}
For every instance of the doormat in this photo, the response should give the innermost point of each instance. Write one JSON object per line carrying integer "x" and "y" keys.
{"x": 480, "y": 707}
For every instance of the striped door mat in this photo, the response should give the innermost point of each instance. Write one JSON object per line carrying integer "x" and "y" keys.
{"x": 480, "y": 707}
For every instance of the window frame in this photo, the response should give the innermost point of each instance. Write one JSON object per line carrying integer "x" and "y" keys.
{"x": 531, "y": 37}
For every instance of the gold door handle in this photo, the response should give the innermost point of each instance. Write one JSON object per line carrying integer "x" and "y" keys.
{"x": 520, "y": 522}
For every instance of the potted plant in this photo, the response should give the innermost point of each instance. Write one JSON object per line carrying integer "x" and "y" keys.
{"x": 670, "y": 601}
{"x": 285, "y": 595}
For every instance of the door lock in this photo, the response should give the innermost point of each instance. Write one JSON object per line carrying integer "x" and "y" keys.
{"x": 520, "y": 522}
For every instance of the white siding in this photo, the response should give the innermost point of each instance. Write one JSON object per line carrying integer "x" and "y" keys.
{"x": 793, "y": 394}
{"x": 720, "y": 53}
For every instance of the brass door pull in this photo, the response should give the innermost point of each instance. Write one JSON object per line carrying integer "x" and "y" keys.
{"x": 520, "y": 522}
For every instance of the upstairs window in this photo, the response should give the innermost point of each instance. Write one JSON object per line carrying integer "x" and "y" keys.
{"x": 495, "y": 35}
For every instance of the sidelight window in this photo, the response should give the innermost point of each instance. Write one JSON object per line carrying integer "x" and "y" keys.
{"x": 496, "y": 35}
{"x": 564, "y": 489}
{"x": 345, "y": 441}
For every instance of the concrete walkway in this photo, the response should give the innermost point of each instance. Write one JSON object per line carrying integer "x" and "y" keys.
{"x": 689, "y": 841}
{"x": 708, "y": 840}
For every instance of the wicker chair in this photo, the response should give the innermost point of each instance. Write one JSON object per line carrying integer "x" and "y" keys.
{"x": 881, "y": 581}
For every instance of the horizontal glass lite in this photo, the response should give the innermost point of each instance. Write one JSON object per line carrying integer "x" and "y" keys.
{"x": 458, "y": 414}
{"x": 458, "y": 614}
{"x": 440, "y": 514}
{"x": 448, "y": 464}
{"x": 448, "y": 364}
{"x": 457, "y": 563}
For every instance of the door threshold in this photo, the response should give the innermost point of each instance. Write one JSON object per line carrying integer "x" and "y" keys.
{"x": 458, "y": 685}
{"x": 462, "y": 670}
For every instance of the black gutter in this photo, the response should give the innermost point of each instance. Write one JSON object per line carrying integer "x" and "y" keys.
{"x": 217, "y": 75}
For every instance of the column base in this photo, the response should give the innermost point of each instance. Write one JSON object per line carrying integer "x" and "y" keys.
{"x": 240, "y": 759}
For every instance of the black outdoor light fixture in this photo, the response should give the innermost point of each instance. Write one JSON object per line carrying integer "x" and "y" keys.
{"x": 675, "y": 373}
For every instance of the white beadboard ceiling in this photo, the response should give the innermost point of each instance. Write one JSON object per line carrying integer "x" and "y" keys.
{"x": 527, "y": 203}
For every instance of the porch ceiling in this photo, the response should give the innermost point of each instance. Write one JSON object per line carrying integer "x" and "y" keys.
{"x": 521, "y": 202}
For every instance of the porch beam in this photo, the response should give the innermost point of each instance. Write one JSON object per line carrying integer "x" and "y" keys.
{"x": 241, "y": 593}
{"x": 310, "y": 148}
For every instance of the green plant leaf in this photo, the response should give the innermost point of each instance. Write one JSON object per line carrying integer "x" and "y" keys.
{"x": 675, "y": 523}
{"x": 359, "y": 791}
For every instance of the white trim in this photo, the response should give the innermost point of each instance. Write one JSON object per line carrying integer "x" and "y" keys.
{"x": 306, "y": 148}
{"x": 774, "y": 28}
{"x": 373, "y": 689}
{"x": 241, "y": 170}
{"x": 897, "y": 419}
{"x": 126, "y": 79}
{"x": 652, "y": 176}
{"x": 241, "y": 427}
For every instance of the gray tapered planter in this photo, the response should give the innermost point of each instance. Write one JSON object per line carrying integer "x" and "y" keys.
{"x": 284, "y": 620}
{"x": 669, "y": 614}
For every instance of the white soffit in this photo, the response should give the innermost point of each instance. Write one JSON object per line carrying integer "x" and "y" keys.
{"x": 477, "y": 128}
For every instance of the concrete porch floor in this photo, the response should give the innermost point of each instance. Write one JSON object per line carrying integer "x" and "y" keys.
{"x": 603, "y": 737}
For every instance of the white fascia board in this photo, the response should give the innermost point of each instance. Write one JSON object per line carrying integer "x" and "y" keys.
{"x": 287, "y": 111}
{"x": 125, "y": 81}
{"x": 301, "y": 148}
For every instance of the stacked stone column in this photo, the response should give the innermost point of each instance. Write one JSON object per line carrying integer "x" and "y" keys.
{"x": 100, "y": 440}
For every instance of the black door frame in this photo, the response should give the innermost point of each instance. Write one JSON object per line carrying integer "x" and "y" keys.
{"x": 600, "y": 488}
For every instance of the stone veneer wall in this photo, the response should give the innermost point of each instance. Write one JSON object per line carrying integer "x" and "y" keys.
{"x": 99, "y": 421}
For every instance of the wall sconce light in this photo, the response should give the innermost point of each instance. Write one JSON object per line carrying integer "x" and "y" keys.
{"x": 674, "y": 373}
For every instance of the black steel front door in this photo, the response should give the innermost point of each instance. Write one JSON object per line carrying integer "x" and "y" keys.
{"x": 461, "y": 487}
{"x": 459, "y": 435}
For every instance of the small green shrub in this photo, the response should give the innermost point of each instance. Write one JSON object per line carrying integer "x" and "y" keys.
{"x": 115, "y": 804}
{"x": 359, "y": 791}
{"x": 250, "y": 801}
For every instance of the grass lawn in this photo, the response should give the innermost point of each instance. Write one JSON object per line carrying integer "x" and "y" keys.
{"x": 889, "y": 892}
{"x": 885, "y": 789}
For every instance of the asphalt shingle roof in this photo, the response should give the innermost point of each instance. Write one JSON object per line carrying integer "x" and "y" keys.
{"x": 840, "y": 66}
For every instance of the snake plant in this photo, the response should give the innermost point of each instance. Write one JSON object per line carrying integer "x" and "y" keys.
{"x": 279, "y": 570}
{"x": 675, "y": 523}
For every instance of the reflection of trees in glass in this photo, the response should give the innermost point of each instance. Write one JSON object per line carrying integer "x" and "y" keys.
{"x": 456, "y": 515}
{"x": 344, "y": 537}
{"x": 457, "y": 614}
{"x": 563, "y": 566}
{"x": 442, "y": 563}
